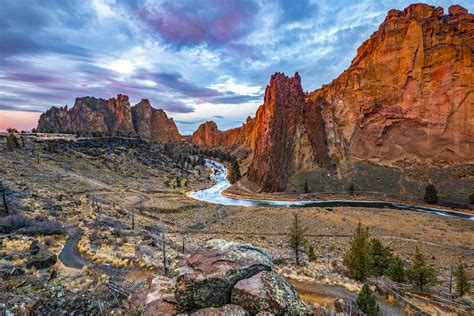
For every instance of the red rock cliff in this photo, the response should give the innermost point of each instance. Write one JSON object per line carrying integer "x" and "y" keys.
{"x": 112, "y": 116}
{"x": 406, "y": 99}
{"x": 408, "y": 96}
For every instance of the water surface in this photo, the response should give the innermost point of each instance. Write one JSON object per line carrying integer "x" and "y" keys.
{"x": 214, "y": 195}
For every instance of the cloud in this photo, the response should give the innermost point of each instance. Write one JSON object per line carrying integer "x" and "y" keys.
{"x": 193, "y": 22}
{"x": 193, "y": 58}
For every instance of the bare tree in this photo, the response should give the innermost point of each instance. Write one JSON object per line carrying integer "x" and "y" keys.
{"x": 158, "y": 233}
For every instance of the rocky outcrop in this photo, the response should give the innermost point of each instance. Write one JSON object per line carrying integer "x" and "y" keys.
{"x": 208, "y": 135}
{"x": 288, "y": 134}
{"x": 223, "y": 273}
{"x": 270, "y": 292}
{"x": 152, "y": 124}
{"x": 406, "y": 100}
{"x": 114, "y": 116}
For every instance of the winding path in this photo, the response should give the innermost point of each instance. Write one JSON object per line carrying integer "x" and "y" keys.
{"x": 214, "y": 195}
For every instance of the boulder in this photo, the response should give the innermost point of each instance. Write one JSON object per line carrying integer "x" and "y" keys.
{"x": 226, "y": 310}
{"x": 268, "y": 291}
{"x": 41, "y": 260}
{"x": 210, "y": 273}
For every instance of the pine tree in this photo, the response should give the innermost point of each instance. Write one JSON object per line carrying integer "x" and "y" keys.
{"x": 380, "y": 257}
{"x": 396, "y": 271}
{"x": 431, "y": 194}
{"x": 420, "y": 273}
{"x": 462, "y": 282}
{"x": 356, "y": 260}
{"x": 367, "y": 302}
{"x": 297, "y": 239}
{"x": 351, "y": 188}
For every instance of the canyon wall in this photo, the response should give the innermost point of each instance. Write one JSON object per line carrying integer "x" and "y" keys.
{"x": 112, "y": 116}
{"x": 407, "y": 100}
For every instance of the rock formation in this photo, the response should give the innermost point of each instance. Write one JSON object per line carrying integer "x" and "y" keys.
{"x": 152, "y": 124}
{"x": 113, "y": 116}
{"x": 407, "y": 100}
{"x": 408, "y": 96}
{"x": 238, "y": 278}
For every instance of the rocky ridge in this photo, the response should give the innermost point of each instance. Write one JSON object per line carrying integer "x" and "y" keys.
{"x": 114, "y": 116}
{"x": 405, "y": 101}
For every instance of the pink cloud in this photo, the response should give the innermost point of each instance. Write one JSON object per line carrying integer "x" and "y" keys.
{"x": 18, "y": 119}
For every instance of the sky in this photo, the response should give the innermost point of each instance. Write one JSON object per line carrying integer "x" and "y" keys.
{"x": 196, "y": 59}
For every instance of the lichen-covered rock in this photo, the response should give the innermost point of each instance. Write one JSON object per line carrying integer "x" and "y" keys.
{"x": 210, "y": 273}
{"x": 268, "y": 291}
{"x": 226, "y": 310}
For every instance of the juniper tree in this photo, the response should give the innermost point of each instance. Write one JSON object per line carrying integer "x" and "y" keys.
{"x": 431, "y": 194}
{"x": 367, "y": 302}
{"x": 420, "y": 273}
{"x": 396, "y": 271}
{"x": 462, "y": 282}
{"x": 380, "y": 257}
{"x": 356, "y": 260}
{"x": 306, "y": 186}
{"x": 178, "y": 182}
{"x": 297, "y": 239}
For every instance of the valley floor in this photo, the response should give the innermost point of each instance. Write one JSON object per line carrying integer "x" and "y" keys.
{"x": 122, "y": 197}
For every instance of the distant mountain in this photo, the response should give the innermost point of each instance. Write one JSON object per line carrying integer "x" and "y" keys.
{"x": 112, "y": 116}
{"x": 407, "y": 100}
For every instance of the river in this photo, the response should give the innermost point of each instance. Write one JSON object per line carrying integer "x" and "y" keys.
{"x": 213, "y": 194}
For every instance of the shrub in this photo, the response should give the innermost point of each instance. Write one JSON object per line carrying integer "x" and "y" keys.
{"x": 471, "y": 198}
{"x": 462, "y": 281}
{"x": 12, "y": 141}
{"x": 27, "y": 226}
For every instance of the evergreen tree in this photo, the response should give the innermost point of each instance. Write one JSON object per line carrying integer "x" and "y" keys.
{"x": 297, "y": 239}
{"x": 186, "y": 182}
{"x": 351, "y": 188}
{"x": 396, "y": 271}
{"x": 178, "y": 182}
{"x": 357, "y": 260}
{"x": 380, "y": 257}
{"x": 306, "y": 186}
{"x": 462, "y": 282}
{"x": 420, "y": 273}
{"x": 234, "y": 172}
{"x": 431, "y": 194}
{"x": 367, "y": 302}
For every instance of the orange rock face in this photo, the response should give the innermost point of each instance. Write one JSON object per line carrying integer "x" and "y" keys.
{"x": 112, "y": 116}
{"x": 153, "y": 124}
{"x": 407, "y": 98}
